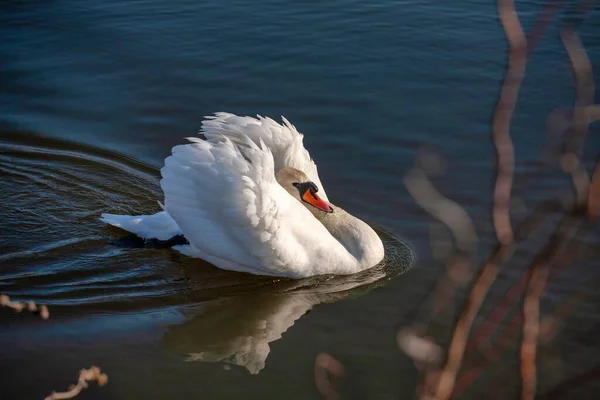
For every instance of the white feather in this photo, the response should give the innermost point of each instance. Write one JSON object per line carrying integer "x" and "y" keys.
{"x": 222, "y": 195}
{"x": 157, "y": 226}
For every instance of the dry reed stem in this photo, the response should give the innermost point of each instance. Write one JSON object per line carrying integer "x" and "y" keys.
{"x": 452, "y": 215}
{"x": 424, "y": 351}
{"x": 559, "y": 259}
{"x": 478, "y": 293}
{"x": 584, "y": 83}
{"x": 498, "y": 314}
{"x": 501, "y": 310}
{"x": 539, "y": 274}
{"x": 579, "y": 178}
{"x": 324, "y": 364}
{"x": 85, "y": 376}
{"x": 449, "y": 212}
{"x": 469, "y": 376}
{"x": 584, "y": 90}
{"x": 548, "y": 13}
{"x": 461, "y": 331}
{"x": 531, "y": 307}
{"x": 503, "y": 115}
{"x": 500, "y": 130}
{"x": 19, "y": 306}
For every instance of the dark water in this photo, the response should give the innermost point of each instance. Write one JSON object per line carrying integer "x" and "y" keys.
{"x": 93, "y": 95}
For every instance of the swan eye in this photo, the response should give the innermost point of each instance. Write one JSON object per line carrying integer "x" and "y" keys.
{"x": 304, "y": 187}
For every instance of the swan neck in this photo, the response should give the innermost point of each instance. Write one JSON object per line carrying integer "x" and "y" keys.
{"x": 356, "y": 236}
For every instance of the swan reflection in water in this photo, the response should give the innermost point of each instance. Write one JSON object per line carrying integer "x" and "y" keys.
{"x": 239, "y": 329}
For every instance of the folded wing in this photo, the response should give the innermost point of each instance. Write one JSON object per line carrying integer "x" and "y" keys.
{"x": 229, "y": 206}
{"x": 284, "y": 141}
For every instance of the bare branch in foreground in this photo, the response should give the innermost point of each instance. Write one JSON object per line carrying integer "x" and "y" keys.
{"x": 447, "y": 211}
{"x": 559, "y": 250}
{"x": 423, "y": 351}
{"x": 85, "y": 376}
{"x": 503, "y": 113}
{"x": 463, "y": 326}
{"x": 584, "y": 90}
{"x": 19, "y": 306}
{"x": 579, "y": 177}
{"x": 324, "y": 364}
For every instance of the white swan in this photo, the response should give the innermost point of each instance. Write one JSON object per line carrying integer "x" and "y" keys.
{"x": 246, "y": 200}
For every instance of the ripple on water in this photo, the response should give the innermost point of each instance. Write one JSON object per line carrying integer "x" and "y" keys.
{"x": 54, "y": 249}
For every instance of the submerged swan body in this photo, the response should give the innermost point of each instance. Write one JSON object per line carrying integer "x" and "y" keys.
{"x": 246, "y": 200}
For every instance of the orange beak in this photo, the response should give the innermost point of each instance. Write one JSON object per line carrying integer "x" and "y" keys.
{"x": 315, "y": 200}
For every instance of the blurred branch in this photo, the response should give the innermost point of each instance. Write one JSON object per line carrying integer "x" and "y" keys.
{"x": 579, "y": 177}
{"x": 584, "y": 90}
{"x": 503, "y": 115}
{"x": 477, "y": 295}
{"x": 85, "y": 376}
{"x": 501, "y": 217}
{"x": 19, "y": 306}
{"x": 556, "y": 254}
{"x": 452, "y": 215}
{"x": 324, "y": 364}
{"x": 461, "y": 331}
{"x": 551, "y": 8}
{"x": 449, "y": 212}
{"x": 515, "y": 292}
{"x": 558, "y": 247}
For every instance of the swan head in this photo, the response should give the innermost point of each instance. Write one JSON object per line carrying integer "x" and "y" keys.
{"x": 296, "y": 183}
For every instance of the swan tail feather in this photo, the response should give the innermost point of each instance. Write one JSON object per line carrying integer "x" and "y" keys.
{"x": 158, "y": 226}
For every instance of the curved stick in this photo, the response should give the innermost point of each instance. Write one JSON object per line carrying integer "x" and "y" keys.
{"x": 85, "y": 376}
{"x": 503, "y": 115}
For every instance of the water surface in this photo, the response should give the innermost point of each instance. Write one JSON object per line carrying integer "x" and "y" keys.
{"x": 93, "y": 95}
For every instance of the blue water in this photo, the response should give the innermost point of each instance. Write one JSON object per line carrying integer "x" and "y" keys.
{"x": 368, "y": 83}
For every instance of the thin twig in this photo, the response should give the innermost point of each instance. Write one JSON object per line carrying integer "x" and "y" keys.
{"x": 19, "y": 306}
{"x": 558, "y": 247}
{"x": 584, "y": 90}
{"x": 579, "y": 178}
{"x": 480, "y": 288}
{"x": 491, "y": 355}
{"x": 503, "y": 115}
{"x": 461, "y": 331}
{"x": 85, "y": 376}
{"x": 559, "y": 259}
{"x": 449, "y": 212}
{"x": 548, "y": 13}
{"x": 324, "y": 364}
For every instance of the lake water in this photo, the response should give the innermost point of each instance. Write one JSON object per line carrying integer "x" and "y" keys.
{"x": 93, "y": 95}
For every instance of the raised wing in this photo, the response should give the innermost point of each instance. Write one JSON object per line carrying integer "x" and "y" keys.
{"x": 284, "y": 141}
{"x": 230, "y": 206}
